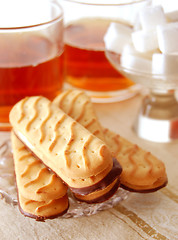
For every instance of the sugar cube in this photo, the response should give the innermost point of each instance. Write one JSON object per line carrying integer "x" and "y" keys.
{"x": 136, "y": 63}
{"x": 168, "y": 38}
{"x": 145, "y": 41}
{"x": 152, "y": 16}
{"x": 117, "y": 36}
{"x": 164, "y": 64}
{"x": 130, "y": 49}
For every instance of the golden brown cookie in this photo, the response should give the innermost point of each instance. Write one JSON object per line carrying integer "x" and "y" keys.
{"x": 142, "y": 171}
{"x": 67, "y": 148}
{"x": 34, "y": 180}
{"x": 41, "y": 210}
{"x": 41, "y": 194}
{"x": 78, "y": 106}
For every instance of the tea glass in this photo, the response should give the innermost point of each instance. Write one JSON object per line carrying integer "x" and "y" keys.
{"x": 86, "y": 66}
{"x": 31, "y": 52}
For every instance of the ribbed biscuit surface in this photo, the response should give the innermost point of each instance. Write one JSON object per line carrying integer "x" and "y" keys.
{"x": 141, "y": 169}
{"x": 41, "y": 210}
{"x": 78, "y": 105}
{"x": 59, "y": 141}
{"x": 34, "y": 180}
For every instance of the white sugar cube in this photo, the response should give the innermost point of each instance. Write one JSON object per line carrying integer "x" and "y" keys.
{"x": 168, "y": 38}
{"x": 130, "y": 49}
{"x": 164, "y": 64}
{"x": 145, "y": 41}
{"x": 172, "y": 16}
{"x": 136, "y": 63}
{"x": 117, "y": 36}
{"x": 152, "y": 16}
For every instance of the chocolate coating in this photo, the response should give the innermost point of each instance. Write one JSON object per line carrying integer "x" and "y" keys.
{"x": 105, "y": 196}
{"x": 41, "y": 218}
{"x": 107, "y": 180}
{"x": 143, "y": 190}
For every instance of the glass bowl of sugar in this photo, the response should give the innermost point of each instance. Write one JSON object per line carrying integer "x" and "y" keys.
{"x": 149, "y": 57}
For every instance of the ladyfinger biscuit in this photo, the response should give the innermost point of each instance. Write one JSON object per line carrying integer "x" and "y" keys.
{"x": 142, "y": 171}
{"x": 67, "y": 148}
{"x": 34, "y": 181}
{"x": 78, "y": 105}
{"x": 41, "y": 210}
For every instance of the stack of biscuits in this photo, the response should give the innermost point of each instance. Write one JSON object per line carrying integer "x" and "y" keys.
{"x": 41, "y": 194}
{"x": 60, "y": 146}
{"x": 141, "y": 171}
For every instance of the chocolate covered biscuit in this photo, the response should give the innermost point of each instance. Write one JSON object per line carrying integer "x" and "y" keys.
{"x": 78, "y": 157}
{"x": 142, "y": 172}
{"x": 100, "y": 195}
{"x": 34, "y": 180}
{"x": 104, "y": 193}
{"x": 42, "y": 210}
{"x": 41, "y": 194}
{"x": 78, "y": 106}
